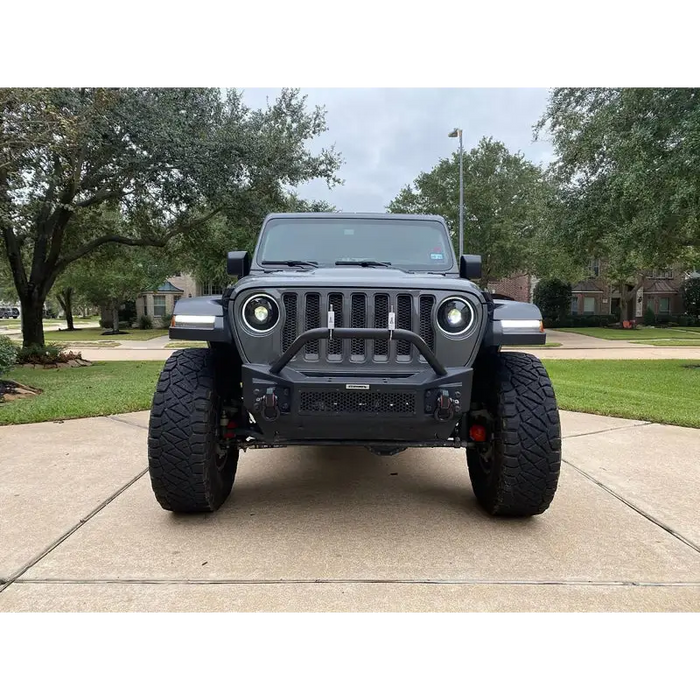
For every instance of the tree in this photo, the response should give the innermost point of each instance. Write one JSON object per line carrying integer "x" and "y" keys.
{"x": 203, "y": 253}
{"x": 114, "y": 274}
{"x": 627, "y": 165}
{"x": 504, "y": 198}
{"x": 691, "y": 296}
{"x": 553, "y": 297}
{"x": 167, "y": 159}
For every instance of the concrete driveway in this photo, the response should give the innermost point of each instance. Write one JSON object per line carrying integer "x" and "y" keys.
{"x": 322, "y": 529}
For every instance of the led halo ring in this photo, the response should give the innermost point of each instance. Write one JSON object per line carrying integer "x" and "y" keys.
{"x": 273, "y": 309}
{"x": 445, "y": 328}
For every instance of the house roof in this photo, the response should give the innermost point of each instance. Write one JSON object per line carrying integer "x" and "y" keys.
{"x": 659, "y": 287}
{"x": 587, "y": 286}
{"x": 168, "y": 287}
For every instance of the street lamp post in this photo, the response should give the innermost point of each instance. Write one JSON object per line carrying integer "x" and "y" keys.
{"x": 455, "y": 133}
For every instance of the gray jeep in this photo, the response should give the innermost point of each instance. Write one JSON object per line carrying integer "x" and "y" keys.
{"x": 355, "y": 329}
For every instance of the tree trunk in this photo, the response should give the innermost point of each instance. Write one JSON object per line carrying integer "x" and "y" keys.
{"x": 32, "y": 320}
{"x": 115, "y": 316}
{"x": 65, "y": 300}
{"x": 623, "y": 302}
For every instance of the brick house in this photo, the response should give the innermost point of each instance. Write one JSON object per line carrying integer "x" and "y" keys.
{"x": 518, "y": 287}
{"x": 161, "y": 301}
{"x": 660, "y": 291}
{"x": 595, "y": 295}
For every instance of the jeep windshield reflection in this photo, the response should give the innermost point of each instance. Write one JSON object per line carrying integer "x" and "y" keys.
{"x": 409, "y": 245}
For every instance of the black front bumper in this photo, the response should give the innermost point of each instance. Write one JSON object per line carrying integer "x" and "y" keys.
{"x": 409, "y": 408}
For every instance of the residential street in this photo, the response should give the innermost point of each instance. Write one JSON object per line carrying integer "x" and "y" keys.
{"x": 327, "y": 529}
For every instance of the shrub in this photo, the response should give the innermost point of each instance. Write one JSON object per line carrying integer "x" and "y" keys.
{"x": 165, "y": 320}
{"x": 127, "y": 314}
{"x": 690, "y": 290}
{"x": 8, "y": 354}
{"x": 45, "y": 355}
{"x": 553, "y": 297}
{"x": 588, "y": 321}
{"x": 649, "y": 317}
{"x": 145, "y": 322}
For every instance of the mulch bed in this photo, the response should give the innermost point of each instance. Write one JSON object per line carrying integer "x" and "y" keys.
{"x": 78, "y": 362}
{"x": 10, "y": 391}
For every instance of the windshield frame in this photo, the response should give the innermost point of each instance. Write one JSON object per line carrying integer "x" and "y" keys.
{"x": 435, "y": 222}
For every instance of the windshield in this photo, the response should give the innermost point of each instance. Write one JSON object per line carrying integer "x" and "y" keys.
{"x": 411, "y": 245}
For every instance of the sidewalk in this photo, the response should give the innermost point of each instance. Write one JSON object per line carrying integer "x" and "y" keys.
{"x": 322, "y": 529}
{"x": 150, "y": 351}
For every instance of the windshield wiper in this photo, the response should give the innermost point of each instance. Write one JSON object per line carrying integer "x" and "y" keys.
{"x": 363, "y": 263}
{"x": 291, "y": 263}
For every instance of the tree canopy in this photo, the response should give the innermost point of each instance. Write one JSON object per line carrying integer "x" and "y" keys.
{"x": 504, "y": 198}
{"x": 168, "y": 159}
{"x": 628, "y": 171}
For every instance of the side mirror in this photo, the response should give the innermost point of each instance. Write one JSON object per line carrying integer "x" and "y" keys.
{"x": 238, "y": 263}
{"x": 469, "y": 267}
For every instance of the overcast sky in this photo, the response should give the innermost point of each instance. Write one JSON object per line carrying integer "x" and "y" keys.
{"x": 387, "y": 137}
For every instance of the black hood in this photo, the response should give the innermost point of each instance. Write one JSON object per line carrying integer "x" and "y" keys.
{"x": 354, "y": 278}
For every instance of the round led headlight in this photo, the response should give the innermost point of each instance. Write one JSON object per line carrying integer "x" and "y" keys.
{"x": 261, "y": 313}
{"x": 455, "y": 316}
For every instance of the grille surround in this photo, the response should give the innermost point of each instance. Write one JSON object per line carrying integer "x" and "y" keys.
{"x": 306, "y": 309}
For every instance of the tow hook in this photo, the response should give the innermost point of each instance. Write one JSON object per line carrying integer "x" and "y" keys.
{"x": 270, "y": 409}
{"x": 446, "y": 406}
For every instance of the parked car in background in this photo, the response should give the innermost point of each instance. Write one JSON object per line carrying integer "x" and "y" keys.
{"x": 9, "y": 312}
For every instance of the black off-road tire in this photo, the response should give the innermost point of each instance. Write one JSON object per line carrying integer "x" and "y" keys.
{"x": 188, "y": 475}
{"x": 517, "y": 474}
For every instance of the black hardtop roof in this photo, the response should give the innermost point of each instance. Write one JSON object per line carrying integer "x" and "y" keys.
{"x": 355, "y": 215}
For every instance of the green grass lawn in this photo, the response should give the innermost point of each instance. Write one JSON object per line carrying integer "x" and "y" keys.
{"x": 667, "y": 343}
{"x": 663, "y": 391}
{"x": 102, "y": 389}
{"x": 546, "y": 345}
{"x": 82, "y": 334}
{"x": 679, "y": 332}
{"x": 187, "y": 344}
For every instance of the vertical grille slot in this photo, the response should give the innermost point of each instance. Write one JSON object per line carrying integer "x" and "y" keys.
{"x": 404, "y": 321}
{"x": 381, "y": 320}
{"x": 335, "y": 346}
{"x": 312, "y": 320}
{"x": 289, "y": 331}
{"x": 358, "y": 319}
{"x": 426, "y": 325}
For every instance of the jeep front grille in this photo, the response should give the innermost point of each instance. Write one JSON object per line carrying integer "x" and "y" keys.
{"x": 306, "y": 310}
{"x": 344, "y": 401}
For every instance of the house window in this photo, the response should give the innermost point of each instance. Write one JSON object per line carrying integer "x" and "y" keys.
{"x": 594, "y": 268}
{"x": 211, "y": 288}
{"x": 664, "y": 305}
{"x": 662, "y": 274}
{"x": 588, "y": 305}
{"x": 159, "y": 305}
{"x": 574, "y": 306}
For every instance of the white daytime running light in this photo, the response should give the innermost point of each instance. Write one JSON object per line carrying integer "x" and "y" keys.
{"x": 188, "y": 321}
{"x": 529, "y": 325}
{"x": 261, "y": 313}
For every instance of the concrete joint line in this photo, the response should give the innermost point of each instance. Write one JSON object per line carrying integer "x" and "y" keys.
{"x": 125, "y": 422}
{"x": 635, "y": 508}
{"x": 607, "y": 430}
{"x": 67, "y": 534}
{"x": 318, "y": 581}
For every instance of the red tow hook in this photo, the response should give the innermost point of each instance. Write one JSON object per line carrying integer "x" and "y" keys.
{"x": 230, "y": 430}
